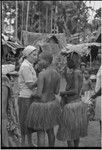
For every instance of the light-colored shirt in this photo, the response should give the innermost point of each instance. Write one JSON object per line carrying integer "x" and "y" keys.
{"x": 98, "y": 80}
{"x": 27, "y": 74}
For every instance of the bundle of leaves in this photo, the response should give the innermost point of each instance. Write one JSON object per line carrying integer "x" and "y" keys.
{"x": 59, "y": 63}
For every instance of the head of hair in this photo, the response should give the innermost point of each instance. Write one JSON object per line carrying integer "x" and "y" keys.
{"x": 76, "y": 58}
{"x": 47, "y": 57}
{"x": 75, "y": 54}
{"x": 88, "y": 71}
{"x": 70, "y": 63}
{"x": 54, "y": 39}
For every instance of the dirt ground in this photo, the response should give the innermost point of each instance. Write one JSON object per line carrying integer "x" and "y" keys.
{"x": 92, "y": 140}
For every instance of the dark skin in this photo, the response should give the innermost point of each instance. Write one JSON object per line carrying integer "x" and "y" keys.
{"x": 74, "y": 91}
{"x": 75, "y": 143}
{"x": 43, "y": 81}
{"x": 74, "y": 65}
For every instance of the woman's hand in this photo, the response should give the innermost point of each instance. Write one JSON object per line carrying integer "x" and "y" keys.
{"x": 63, "y": 95}
{"x": 36, "y": 96}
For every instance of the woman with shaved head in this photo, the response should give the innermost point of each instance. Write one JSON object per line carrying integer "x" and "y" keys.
{"x": 73, "y": 123}
{"x": 44, "y": 112}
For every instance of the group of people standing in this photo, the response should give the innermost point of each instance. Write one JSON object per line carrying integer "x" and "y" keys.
{"x": 40, "y": 110}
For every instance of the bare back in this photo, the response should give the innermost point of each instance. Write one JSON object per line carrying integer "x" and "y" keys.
{"x": 74, "y": 82}
{"x": 48, "y": 84}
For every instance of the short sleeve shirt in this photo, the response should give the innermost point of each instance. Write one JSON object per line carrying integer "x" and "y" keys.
{"x": 27, "y": 74}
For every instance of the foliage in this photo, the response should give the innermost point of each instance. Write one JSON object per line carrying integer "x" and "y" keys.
{"x": 60, "y": 63}
{"x": 74, "y": 16}
{"x": 98, "y": 13}
{"x": 8, "y": 7}
{"x": 70, "y": 16}
{"x": 96, "y": 22}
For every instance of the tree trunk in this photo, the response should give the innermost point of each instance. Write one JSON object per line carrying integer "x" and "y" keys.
{"x": 54, "y": 19}
{"x": 39, "y": 23}
{"x": 22, "y": 20}
{"x": 90, "y": 60}
{"x": 27, "y": 20}
{"x": 39, "y": 18}
{"x": 16, "y": 18}
{"x": 66, "y": 31}
{"x": 51, "y": 18}
{"x": 46, "y": 18}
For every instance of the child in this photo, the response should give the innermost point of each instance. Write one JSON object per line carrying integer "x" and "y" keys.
{"x": 86, "y": 92}
{"x": 83, "y": 67}
{"x": 93, "y": 80}
{"x": 87, "y": 84}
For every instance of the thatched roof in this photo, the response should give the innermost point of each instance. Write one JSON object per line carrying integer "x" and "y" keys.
{"x": 34, "y": 38}
{"x": 82, "y": 49}
{"x": 54, "y": 49}
{"x": 13, "y": 45}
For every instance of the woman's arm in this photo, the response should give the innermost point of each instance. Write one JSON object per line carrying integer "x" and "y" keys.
{"x": 40, "y": 84}
{"x": 57, "y": 86}
{"x": 31, "y": 85}
{"x": 75, "y": 90}
{"x": 29, "y": 78}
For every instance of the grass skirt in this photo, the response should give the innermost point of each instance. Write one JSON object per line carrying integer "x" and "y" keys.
{"x": 43, "y": 116}
{"x": 74, "y": 122}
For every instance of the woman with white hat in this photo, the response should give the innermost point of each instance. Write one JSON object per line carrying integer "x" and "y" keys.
{"x": 73, "y": 121}
{"x": 27, "y": 79}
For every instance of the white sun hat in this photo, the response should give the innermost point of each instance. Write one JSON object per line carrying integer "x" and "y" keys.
{"x": 29, "y": 49}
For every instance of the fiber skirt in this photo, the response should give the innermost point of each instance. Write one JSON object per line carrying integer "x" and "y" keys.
{"x": 43, "y": 116}
{"x": 23, "y": 104}
{"x": 73, "y": 122}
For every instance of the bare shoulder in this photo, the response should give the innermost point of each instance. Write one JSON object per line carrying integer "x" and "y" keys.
{"x": 78, "y": 73}
{"x": 42, "y": 73}
{"x": 56, "y": 72}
